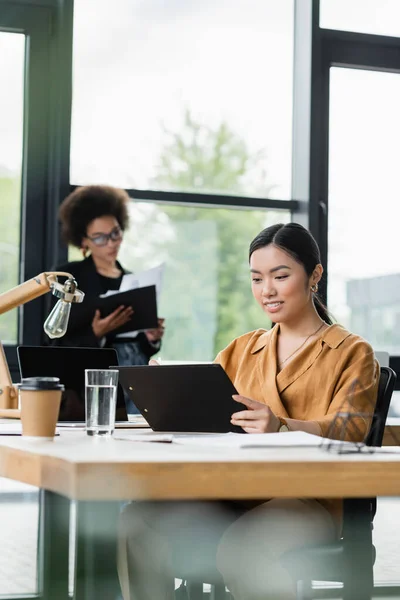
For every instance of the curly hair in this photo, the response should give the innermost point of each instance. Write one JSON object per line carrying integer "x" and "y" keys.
{"x": 90, "y": 202}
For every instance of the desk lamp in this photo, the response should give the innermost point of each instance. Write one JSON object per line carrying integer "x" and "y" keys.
{"x": 55, "y": 325}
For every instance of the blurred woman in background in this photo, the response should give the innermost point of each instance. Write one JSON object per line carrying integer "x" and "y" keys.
{"x": 93, "y": 219}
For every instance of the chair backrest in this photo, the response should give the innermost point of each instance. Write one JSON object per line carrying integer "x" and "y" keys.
{"x": 387, "y": 382}
{"x": 365, "y": 508}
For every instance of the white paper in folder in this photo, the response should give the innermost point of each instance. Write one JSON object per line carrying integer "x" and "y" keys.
{"x": 152, "y": 276}
{"x": 131, "y": 281}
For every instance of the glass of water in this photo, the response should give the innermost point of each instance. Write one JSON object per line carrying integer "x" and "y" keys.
{"x": 100, "y": 397}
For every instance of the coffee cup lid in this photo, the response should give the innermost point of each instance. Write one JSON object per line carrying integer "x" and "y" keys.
{"x": 40, "y": 383}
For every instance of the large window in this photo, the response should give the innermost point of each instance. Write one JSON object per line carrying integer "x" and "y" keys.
{"x": 174, "y": 97}
{"x": 365, "y": 16}
{"x": 164, "y": 92}
{"x": 364, "y": 212}
{"x": 207, "y": 297}
{"x": 12, "y": 45}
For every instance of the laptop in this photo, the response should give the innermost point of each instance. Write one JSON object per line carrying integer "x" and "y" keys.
{"x": 69, "y": 365}
{"x": 190, "y": 398}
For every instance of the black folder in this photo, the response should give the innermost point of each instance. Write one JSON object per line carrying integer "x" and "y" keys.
{"x": 144, "y": 303}
{"x": 182, "y": 397}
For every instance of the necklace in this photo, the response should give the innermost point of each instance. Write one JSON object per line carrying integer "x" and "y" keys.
{"x": 301, "y": 345}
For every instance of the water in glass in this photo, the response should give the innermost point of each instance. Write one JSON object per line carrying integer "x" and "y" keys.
{"x": 100, "y": 409}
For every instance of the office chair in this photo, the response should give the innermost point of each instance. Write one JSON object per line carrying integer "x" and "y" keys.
{"x": 335, "y": 562}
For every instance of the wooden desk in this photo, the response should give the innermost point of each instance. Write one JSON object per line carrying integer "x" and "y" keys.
{"x": 82, "y": 468}
{"x": 99, "y": 473}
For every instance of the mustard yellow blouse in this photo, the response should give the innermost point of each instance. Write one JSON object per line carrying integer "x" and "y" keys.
{"x": 336, "y": 372}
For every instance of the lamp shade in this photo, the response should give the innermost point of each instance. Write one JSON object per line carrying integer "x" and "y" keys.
{"x": 57, "y": 322}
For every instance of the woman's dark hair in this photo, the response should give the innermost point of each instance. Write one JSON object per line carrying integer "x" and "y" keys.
{"x": 90, "y": 202}
{"x": 297, "y": 241}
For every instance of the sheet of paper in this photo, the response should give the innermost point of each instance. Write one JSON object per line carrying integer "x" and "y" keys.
{"x": 383, "y": 450}
{"x": 14, "y": 428}
{"x": 139, "y": 423}
{"x": 132, "y": 281}
{"x": 152, "y": 276}
{"x": 291, "y": 439}
{"x": 143, "y": 436}
{"x": 138, "y": 420}
{"x": 254, "y": 440}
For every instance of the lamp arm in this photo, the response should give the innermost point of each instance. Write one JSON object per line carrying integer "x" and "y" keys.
{"x": 29, "y": 290}
{"x": 25, "y": 292}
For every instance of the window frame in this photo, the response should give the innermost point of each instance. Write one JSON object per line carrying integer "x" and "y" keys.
{"x": 47, "y": 25}
{"x": 336, "y": 48}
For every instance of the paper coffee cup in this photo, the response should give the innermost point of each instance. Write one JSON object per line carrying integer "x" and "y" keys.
{"x": 40, "y": 399}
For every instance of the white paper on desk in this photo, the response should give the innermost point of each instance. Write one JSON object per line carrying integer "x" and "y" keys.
{"x": 134, "y": 424}
{"x": 143, "y": 436}
{"x": 381, "y": 450}
{"x": 14, "y": 429}
{"x": 251, "y": 440}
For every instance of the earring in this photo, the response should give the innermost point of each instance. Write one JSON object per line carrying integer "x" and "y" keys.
{"x": 314, "y": 288}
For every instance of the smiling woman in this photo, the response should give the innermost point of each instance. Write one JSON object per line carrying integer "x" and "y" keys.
{"x": 295, "y": 377}
{"x": 301, "y": 373}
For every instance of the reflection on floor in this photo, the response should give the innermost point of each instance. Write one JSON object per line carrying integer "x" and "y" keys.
{"x": 19, "y": 534}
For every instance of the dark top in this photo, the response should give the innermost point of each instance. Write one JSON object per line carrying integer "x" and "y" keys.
{"x": 80, "y": 332}
{"x": 110, "y": 283}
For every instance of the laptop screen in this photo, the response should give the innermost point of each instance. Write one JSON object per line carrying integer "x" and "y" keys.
{"x": 69, "y": 365}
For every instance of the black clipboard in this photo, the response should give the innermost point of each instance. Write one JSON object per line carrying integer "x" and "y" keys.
{"x": 143, "y": 300}
{"x": 190, "y": 398}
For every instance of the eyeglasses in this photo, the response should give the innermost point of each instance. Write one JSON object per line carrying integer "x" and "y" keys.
{"x": 102, "y": 239}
